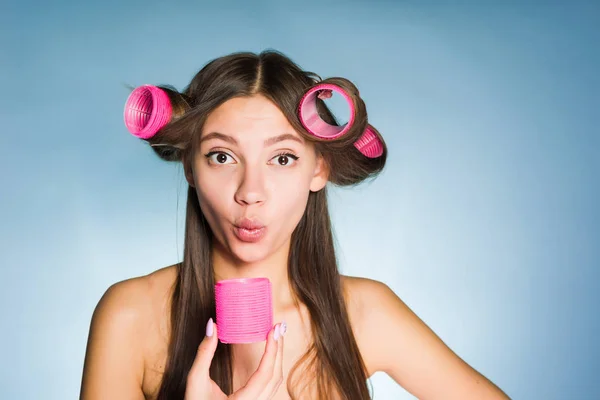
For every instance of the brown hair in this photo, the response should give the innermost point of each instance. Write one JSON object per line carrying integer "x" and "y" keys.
{"x": 333, "y": 359}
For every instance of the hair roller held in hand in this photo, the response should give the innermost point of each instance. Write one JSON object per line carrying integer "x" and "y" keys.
{"x": 368, "y": 144}
{"x": 244, "y": 309}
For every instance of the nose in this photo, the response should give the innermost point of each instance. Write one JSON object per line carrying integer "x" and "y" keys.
{"x": 252, "y": 187}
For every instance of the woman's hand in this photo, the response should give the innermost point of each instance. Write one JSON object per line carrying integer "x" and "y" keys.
{"x": 262, "y": 385}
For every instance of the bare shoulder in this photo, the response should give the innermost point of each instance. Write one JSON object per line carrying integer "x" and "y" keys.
{"x": 124, "y": 326}
{"x": 134, "y": 302}
{"x": 359, "y": 289}
{"x": 360, "y": 296}
{"x": 394, "y": 340}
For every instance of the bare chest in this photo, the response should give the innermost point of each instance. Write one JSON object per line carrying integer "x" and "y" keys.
{"x": 246, "y": 358}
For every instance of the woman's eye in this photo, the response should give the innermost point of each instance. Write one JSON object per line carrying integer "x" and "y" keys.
{"x": 285, "y": 159}
{"x": 218, "y": 157}
{"x": 221, "y": 158}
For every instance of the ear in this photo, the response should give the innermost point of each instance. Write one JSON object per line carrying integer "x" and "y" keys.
{"x": 187, "y": 169}
{"x": 321, "y": 175}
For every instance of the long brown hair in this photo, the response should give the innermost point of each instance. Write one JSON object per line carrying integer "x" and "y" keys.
{"x": 333, "y": 360}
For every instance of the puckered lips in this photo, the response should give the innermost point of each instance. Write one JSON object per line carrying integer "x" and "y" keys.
{"x": 249, "y": 230}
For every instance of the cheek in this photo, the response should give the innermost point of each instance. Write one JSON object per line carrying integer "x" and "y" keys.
{"x": 291, "y": 198}
{"x": 290, "y": 215}
{"x": 213, "y": 202}
{"x": 299, "y": 207}
{"x": 213, "y": 189}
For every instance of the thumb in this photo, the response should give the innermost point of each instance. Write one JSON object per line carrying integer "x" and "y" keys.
{"x": 206, "y": 351}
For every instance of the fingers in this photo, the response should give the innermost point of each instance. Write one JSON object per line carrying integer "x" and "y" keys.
{"x": 278, "y": 368}
{"x": 269, "y": 374}
{"x": 206, "y": 350}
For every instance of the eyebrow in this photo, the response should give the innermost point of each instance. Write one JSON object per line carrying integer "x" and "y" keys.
{"x": 269, "y": 142}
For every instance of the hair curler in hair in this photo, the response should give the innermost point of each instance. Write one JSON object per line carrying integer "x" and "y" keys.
{"x": 368, "y": 144}
{"x": 244, "y": 309}
{"x": 147, "y": 109}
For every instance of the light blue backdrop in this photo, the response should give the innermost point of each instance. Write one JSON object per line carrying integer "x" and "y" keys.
{"x": 485, "y": 221}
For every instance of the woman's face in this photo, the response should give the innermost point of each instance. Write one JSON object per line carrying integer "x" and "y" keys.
{"x": 252, "y": 169}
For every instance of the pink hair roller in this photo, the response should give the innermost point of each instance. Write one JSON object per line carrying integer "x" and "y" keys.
{"x": 147, "y": 109}
{"x": 368, "y": 144}
{"x": 244, "y": 310}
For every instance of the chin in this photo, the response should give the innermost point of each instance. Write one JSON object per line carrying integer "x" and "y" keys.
{"x": 249, "y": 252}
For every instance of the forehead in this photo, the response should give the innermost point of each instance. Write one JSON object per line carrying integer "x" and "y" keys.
{"x": 243, "y": 115}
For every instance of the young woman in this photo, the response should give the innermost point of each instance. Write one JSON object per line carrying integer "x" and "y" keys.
{"x": 257, "y": 207}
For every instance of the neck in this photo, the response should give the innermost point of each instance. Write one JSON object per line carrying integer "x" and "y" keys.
{"x": 275, "y": 268}
{"x": 247, "y": 356}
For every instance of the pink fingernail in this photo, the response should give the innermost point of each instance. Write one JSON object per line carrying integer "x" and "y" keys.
{"x": 210, "y": 328}
{"x": 276, "y": 334}
{"x": 283, "y": 328}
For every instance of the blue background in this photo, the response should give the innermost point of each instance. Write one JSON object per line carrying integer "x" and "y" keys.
{"x": 485, "y": 221}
